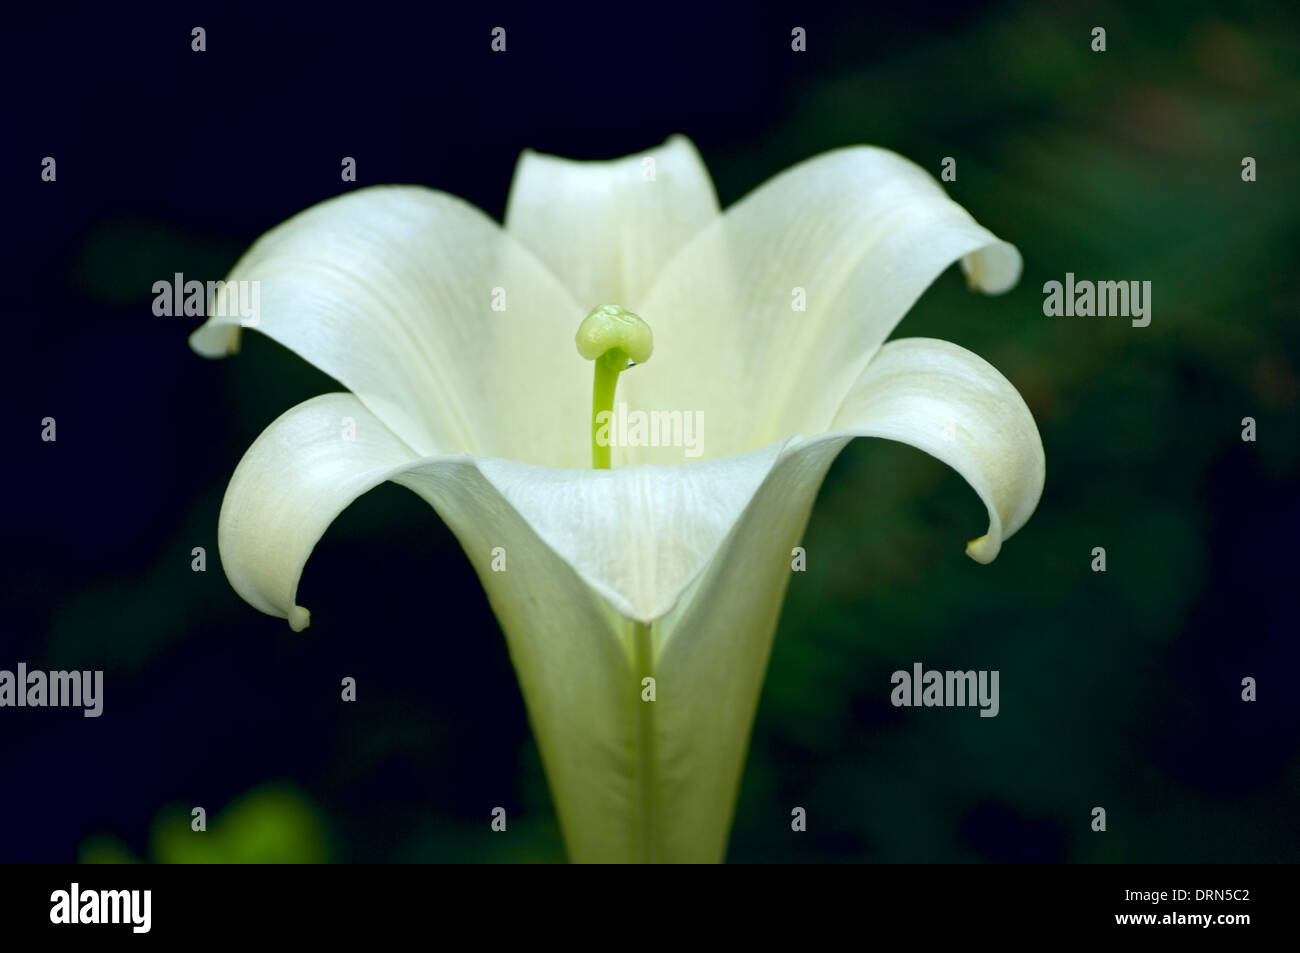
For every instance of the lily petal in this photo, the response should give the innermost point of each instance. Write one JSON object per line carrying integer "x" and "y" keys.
{"x": 292, "y": 482}
{"x": 714, "y": 648}
{"x": 715, "y": 643}
{"x": 568, "y": 648}
{"x": 557, "y": 601}
{"x": 390, "y": 290}
{"x": 607, "y": 228}
{"x": 954, "y": 405}
{"x": 853, "y": 236}
{"x": 636, "y": 535}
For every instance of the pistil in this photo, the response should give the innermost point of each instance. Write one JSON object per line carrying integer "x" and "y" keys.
{"x": 615, "y": 339}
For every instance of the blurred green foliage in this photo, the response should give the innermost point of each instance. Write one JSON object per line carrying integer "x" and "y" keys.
{"x": 274, "y": 824}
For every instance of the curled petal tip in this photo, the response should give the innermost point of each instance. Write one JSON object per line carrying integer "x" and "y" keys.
{"x": 994, "y": 269}
{"x": 215, "y": 340}
{"x": 982, "y": 550}
{"x": 299, "y": 618}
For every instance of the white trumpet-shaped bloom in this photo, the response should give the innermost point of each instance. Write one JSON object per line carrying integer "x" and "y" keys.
{"x": 455, "y": 337}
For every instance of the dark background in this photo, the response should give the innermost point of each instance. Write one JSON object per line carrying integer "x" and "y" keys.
{"x": 1119, "y": 690}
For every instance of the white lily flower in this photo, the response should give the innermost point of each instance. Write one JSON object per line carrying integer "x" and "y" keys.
{"x": 659, "y": 567}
